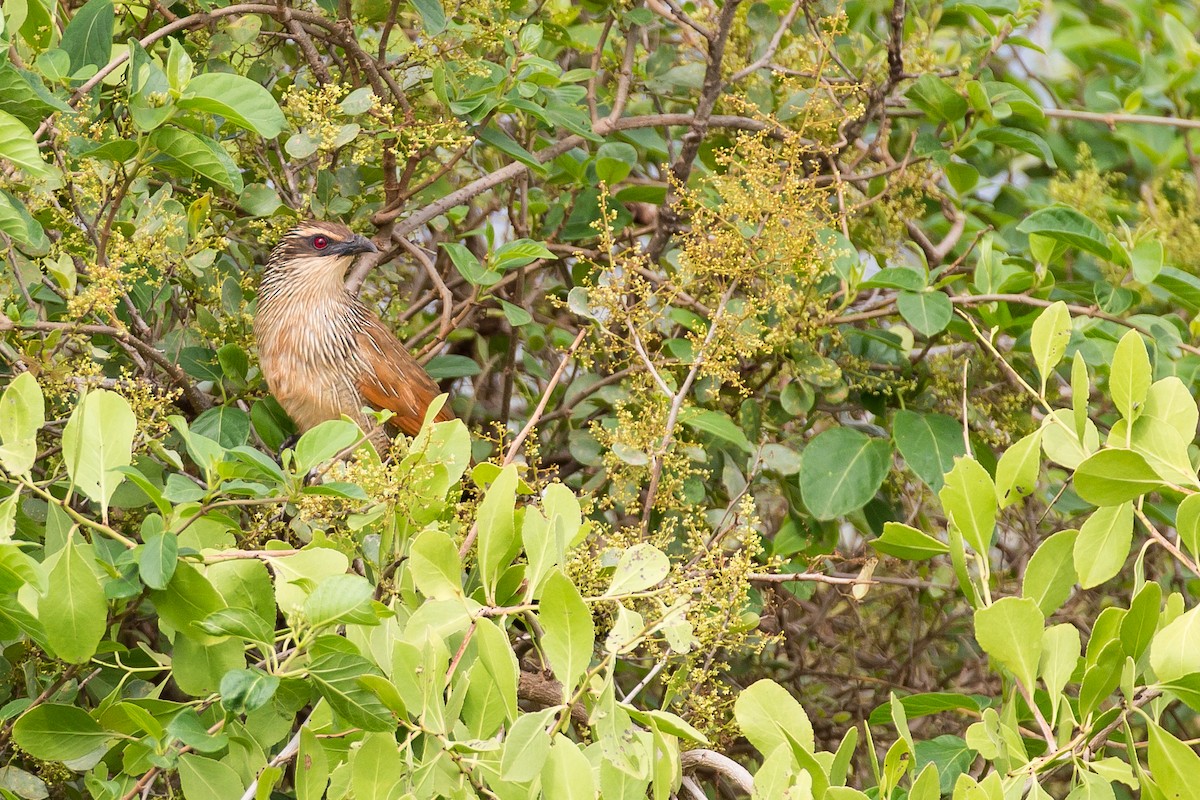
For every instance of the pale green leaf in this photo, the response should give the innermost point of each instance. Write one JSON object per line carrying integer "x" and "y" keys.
{"x": 1103, "y": 544}
{"x": 568, "y": 630}
{"x": 969, "y": 499}
{"x": 1048, "y": 339}
{"x": 1010, "y": 632}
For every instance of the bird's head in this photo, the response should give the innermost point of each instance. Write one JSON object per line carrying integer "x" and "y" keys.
{"x": 318, "y": 251}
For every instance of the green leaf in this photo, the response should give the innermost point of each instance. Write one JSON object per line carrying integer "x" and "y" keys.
{"x": 54, "y": 732}
{"x": 188, "y": 153}
{"x": 969, "y": 498}
{"x": 1060, "y": 657}
{"x": 74, "y": 611}
{"x": 1146, "y": 260}
{"x": 1114, "y": 476}
{"x": 239, "y": 100}
{"x": 896, "y": 278}
{"x": 1129, "y": 375}
{"x": 1174, "y": 765}
{"x": 97, "y": 442}
{"x": 156, "y": 563}
{"x": 22, "y": 415}
{"x": 1017, "y": 471}
{"x": 937, "y": 98}
{"x": 187, "y": 728}
{"x": 928, "y": 312}
{"x": 1010, "y": 632}
{"x": 468, "y": 265}
{"x": 841, "y": 470}
{"x": 312, "y": 767}
{"x": 1050, "y": 573}
{"x": 433, "y": 16}
{"x": 641, "y": 567}
{"x": 614, "y": 162}
{"x": 1138, "y": 626}
{"x": 1020, "y": 140}
{"x": 88, "y": 36}
{"x": 765, "y": 710}
{"x": 245, "y": 690}
{"x": 1187, "y": 522}
{"x": 340, "y": 599}
{"x": 905, "y": 541}
{"x": 716, "y": 424}
{"x": 929, "y": 444}
{"x": 526, "y": 747}
{"x": 204, "y": 778}
{"x": 1066, "y": 225}
{"x": 1048, "y": 339}
{"x": 1103, "y": 544}
{"x": 20, "y": 225}
{"x": 498, "y": 543}
{"x": 924, "y": 704}
{"x": 499, "y": 663}
{"x": 568, "y": 630}
{"x": 517, "y": 253}
{"x": 18, "y": 146}
{"x": 189, "y": 598}
{"x": 567, "y": 775}
{"x": 1173, "y": 652}
{"x": 452, "y": 366}
{"x": 322, "y": 442}
{"x": 435, "y": 566}
{"x": 376, "y": 768}
{"x": 336, "y": 674}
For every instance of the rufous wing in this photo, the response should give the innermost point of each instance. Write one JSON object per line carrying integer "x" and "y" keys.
{"x": 394, "y": 380}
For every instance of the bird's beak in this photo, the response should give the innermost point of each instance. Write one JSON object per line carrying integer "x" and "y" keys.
{"x": 359, "y": 244}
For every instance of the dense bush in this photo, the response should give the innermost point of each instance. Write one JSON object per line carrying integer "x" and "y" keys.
{"x": 825, "y": 375}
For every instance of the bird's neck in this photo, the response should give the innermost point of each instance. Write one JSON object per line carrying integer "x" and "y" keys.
{"x": 307, "y": 283}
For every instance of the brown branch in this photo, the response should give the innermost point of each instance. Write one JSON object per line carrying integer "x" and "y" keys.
{"x": 668, "y": 218}
{"x": 195, "y": 398}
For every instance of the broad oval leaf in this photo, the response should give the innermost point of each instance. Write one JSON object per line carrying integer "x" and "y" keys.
{"x": 841, "y": 469}
{"x": 1114, "y": 476}
{"x": 1067, "y": 225}
{"x": 54, "y": 732}
{"x": 1010, "y": 631}
{"x": 238, "y": 99}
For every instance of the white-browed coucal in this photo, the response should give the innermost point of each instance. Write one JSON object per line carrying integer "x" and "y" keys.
{"x": 323, "y": 352}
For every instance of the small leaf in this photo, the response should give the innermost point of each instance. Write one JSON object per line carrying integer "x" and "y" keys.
{"x": 205, "y": 778}
{"x": 1048, "y": 339}
{"x": 568, "y": 630}
{"x": 88, "y": 37}
{"x": 238, "y": 99}
{"x": 717, "y": 424}
{"x": 969, "y": 498}
{"x": 1066, "y": 225}
{"x": 97, "y": 442}
{"x": 841, "y": 470}
{"x": 1010, "y": 631}
{"x": 1114, "y": 476}
{"x": 498, "y": 543}
{"x": 905, "y": 541}
{"x": 55, "y": 732}
{"x": 22, "y": 414}
{"x": 18, "y": 146}
{"x": 640, "y": 567}
{"x": 1050, "y": 573}
{"x": 1129, "y": 375}
{"x": 1103, "y": 544}
{"x": 767, "y": 713}
{"x": 1174, "y": 765}
{"x": 929, "y": 444}
{"x": 74, "y": 611}
{"x": 927, "y": 312}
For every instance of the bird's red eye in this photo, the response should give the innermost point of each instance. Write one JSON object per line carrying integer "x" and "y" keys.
{"x": 320, "y": 242}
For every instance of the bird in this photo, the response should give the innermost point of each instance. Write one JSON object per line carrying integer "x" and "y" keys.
{"x": 323, "y": 353}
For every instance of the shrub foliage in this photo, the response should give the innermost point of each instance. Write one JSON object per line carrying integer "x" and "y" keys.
{"x": 825, "y": 379}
